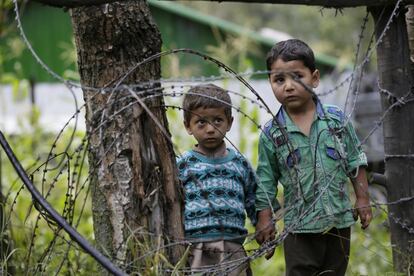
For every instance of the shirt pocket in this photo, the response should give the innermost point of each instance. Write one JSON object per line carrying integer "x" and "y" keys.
{"x": 332, "y": 153}
{"x": 284, "y": 146}
{"x": 288, "y": 156}
{"x": 293, "y": 158}
{"x": 334, "y": 168}
{"x": 293, "y": 174}
{"x": 331, "y": 156}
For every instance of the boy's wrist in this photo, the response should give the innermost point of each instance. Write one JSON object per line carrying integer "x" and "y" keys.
{"x": 362, "y": 198}
{"x": 265, "y": 214}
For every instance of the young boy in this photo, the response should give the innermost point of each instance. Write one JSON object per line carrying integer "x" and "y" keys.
{"x": 219, "y": 185}
{"x": 312, "y": 154}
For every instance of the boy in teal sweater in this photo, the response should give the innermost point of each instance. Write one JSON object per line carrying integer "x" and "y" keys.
{"x": 219, "y": 185}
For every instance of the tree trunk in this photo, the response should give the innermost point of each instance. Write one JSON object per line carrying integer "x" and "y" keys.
{"x": 409, "y": 17}
{"x": 136, "y": 194}
{"x": 395, "y": 71}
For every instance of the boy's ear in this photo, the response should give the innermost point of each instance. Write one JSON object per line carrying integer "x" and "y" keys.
{"x": 187, "y": 127}
{"x": 230, "y": 123}
{"x": 315, "y": 78}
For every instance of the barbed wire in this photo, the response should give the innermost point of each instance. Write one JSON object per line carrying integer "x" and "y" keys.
{"x": 139, "y": 98}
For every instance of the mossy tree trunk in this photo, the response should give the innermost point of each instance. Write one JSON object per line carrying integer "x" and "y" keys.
{"x": 136, "y": 195}
{"x": 395, "y": 70}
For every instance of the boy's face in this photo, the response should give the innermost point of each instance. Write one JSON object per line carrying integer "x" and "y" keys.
{"x": 285, "y": 80}
{"x": 208, "y": 126}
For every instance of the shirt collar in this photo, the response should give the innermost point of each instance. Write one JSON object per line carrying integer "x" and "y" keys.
{"x": 319, "y": 110}
{"x": 286, "y": 122}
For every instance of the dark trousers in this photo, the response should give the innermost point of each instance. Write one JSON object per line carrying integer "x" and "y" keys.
{"x": 317, "y": 254}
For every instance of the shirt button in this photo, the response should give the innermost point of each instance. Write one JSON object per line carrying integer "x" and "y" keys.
{"x": 318, "y": 165}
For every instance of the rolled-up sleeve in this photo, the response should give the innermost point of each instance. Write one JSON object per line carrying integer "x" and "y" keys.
{"x": 268, "y": 173}
{"x": 355, "y": 155}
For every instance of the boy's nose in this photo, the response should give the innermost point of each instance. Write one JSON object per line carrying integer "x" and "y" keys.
{"x": 210, "y": 128}
{"x": 289, "y": 84}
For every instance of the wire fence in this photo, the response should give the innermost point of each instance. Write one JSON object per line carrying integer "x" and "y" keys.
{"x": 48, "y": 221}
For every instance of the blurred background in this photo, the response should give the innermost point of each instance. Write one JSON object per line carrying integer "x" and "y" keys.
{"x": 38, "y": 111}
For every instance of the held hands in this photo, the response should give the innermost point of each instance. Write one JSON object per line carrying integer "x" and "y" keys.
{"x": 265, "y": 230}
{"x": 363, "y": 211}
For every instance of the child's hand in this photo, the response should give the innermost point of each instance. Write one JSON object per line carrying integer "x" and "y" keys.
{"x": 363, "y": 211}
{"x": 265, "y": 230}
{"x": 362, "y": 205}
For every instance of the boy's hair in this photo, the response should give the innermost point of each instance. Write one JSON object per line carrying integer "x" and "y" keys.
{"x": 291, "y": 49}
{"x": 206, "y": 96}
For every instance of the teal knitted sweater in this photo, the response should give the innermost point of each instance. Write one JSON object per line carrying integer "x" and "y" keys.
{"x": 218, "y": 192}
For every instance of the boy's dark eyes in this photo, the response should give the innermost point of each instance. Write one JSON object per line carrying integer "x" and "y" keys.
{"x": 279, "y": 79}
{"x": 215, "y": 121}
{"x": 282, "y": 78}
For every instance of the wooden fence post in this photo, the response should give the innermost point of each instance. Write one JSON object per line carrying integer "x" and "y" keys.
{"x": 395, "y": 71}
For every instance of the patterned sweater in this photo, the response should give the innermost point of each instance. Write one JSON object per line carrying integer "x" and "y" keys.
{"x": 218, "y": 191}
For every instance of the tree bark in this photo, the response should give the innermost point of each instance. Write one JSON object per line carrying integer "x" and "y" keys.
{"x": 75, "y": 3}
{"x": 395, "y": 70}
{"x": 409, "y": 17}
{"x": 136, "y": 194}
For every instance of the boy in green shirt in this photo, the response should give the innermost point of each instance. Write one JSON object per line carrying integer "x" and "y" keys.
{"x": 312, "y": 152}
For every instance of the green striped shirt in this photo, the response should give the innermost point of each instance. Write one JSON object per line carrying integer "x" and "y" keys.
{"x": 313, "y": 170}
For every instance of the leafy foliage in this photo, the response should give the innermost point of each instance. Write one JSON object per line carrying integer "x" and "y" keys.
{"x": 322, "y": 28}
